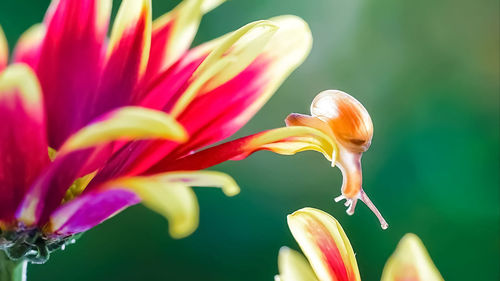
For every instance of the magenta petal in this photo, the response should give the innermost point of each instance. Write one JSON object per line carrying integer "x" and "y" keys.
{"x": 23, "y": 146}
{"x": 49, "y": 189}
{"x": 127, "y": 58}
{"x": 90, "y": 209}
{"x": 70, "y": 63}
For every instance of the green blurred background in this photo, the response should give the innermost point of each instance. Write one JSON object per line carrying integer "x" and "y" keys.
{"x": 427, "y": 71}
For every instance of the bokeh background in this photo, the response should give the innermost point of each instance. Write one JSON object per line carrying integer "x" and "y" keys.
{"x": 427, "y": 71}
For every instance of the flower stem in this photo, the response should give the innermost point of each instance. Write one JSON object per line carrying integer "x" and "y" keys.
{"x": 12, "y": 270}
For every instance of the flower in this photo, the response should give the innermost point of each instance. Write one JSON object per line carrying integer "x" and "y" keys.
{"x": 89, "y": 122}
{"x": 330, "y": 256}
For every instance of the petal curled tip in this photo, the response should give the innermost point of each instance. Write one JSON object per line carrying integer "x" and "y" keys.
{"x": 126, "y": 123}
{"x": 349, "y": 120}
{"x": 203, "y": 178}
{"x": 410, "y": 261}
{"x": 293, "y": 266}
{"x": 4, "y": 50}
{"x": 173, "y": 200}
{"x": 325, "y": 244}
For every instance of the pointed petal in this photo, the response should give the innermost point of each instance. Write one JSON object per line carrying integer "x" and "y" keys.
{"x": 24, "y": 143}
{"x": 175, "y": 201}
{"x": 4, "y": 50}
{"x": 233, "y": 82}
{"x": 28, "y": 47}
{"x": 233, "y": 95}
{"x": 294, "y": 267}
{"x": 126, "y": 123}
{"x": 127, "y": 56}
{"x": 287, "y": 141}
{"x": 410, "y": 261}
{"x": 173, "y": 33}
{"x": 325, "y": 245}
{"x": 70, "y": 62}
{"x": 79, "y": 151}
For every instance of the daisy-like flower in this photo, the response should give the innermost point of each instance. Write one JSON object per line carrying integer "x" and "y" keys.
{"x": 94, "y": 125}
{"x": 86, "y": 119}
{"x": 330, "y": 256}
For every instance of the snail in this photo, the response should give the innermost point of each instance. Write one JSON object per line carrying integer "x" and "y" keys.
{"x": 347, "y": 122}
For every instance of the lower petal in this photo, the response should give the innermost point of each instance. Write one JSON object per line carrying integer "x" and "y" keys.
{"x": 325, "y": 245}
{"x": 410, "y": 261}
{"x": 294, "y": 267}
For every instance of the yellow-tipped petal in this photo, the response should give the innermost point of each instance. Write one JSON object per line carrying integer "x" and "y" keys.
{"x": 325, "y": 245}
{"x": 203, "y": 178}
{"x": 126, "y": 123}
{"x": 185, "y": 19}
{"x": 233, "y": 53}
{"x": 294, "y": 39}
{"x": 294, "y": 267}
{"x": 290, "y": 140}
{"x": 130, "y": 14}
{"x": 4, "y": 50}
{"x": 170, "y": 195}
{"x": 174, "y": 201}
{"x": 410, "y": 261}
{"x": 29, "y": 42}
{"x": 21, "y": 80}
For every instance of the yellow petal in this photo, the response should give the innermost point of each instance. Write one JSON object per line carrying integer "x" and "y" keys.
{"x": 325, "y": 244}
{"x": 132, "y": 12}
{"x": 174, "y": 201}
{"x": 233, "y": 53}
{"x": 410, "y": 261}
{"x": 4, "y": 50}
{"x": 170, "y": 195}
{"x": 203, "y": 178}
{"x": 126, "y": 123}
{"x": 290, "y": 140}
{"x": 294, "y": 267}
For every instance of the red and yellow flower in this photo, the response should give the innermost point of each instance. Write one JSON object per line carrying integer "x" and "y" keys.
{"x": 330, "y": 256}
{"x": 93, "y": 125}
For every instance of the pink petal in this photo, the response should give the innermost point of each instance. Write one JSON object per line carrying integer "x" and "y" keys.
{"x": 29, "y": 46}
{"x": 70, "y": 62}
{"x": 23, "y": 149}
{"x": 127, "y": 57}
